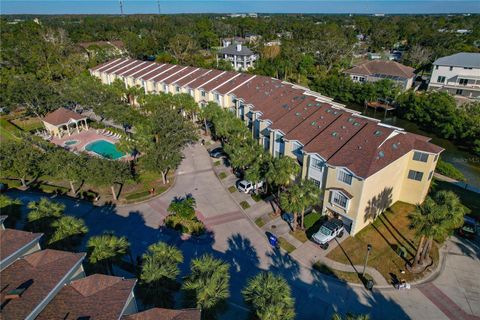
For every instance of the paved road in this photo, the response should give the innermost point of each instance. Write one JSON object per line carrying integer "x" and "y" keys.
{"x": 237, "y": 240}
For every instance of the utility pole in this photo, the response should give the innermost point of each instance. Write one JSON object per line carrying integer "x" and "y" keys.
{"x": 158, "y": 4}
{"x": 121, "y": 7}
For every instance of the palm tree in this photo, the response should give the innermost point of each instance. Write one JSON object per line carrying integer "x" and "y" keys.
{"x": 350, "y": 316}
{"x": 311, "y": 196}
{"x": 106, "y": 249}
{"x": 68, "y": 231}
{"x": 43, "y": 212}
{"x": 270, "y": 297}
{"x": 208, "y": 283}
{"x": 293, "y": 201}
{"x": 280, "y": 172}
{"x": 159, "y": 272}
{"x": 434, "y": 219}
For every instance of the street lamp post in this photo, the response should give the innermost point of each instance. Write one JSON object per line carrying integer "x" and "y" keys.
{"x": 369, "y": 248}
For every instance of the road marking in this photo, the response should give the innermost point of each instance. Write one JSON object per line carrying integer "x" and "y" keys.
{"x": 444, "y": 303}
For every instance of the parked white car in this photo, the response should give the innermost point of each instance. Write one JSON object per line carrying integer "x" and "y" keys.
{"x": 328, "y": 231}
{"x": 249, "y": 186}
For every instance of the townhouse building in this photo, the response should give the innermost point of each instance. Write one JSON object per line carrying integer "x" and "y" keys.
{"x": 361, "y": 165}
{"x": 458, "y": 74}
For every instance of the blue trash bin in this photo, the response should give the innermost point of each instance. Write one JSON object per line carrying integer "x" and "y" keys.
{"x": 273, "y": 240}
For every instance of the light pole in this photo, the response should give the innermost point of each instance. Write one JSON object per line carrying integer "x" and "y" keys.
{"x": 369, "y": 248}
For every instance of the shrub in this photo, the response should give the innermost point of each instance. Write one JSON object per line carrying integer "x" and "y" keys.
{"x": 285, "y": 245}
{"x": 217, "y": 163}
{"x": 449, "y": 170}
{"x": 222, "y": 175}
{"x": 259, "y": 222}
{"x": 232, "y": 189}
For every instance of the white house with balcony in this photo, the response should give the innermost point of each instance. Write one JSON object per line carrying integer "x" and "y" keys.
{"x": 458, "y": 74}
{"x": 241, "y": 57}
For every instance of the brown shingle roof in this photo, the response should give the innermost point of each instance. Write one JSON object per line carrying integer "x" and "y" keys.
{"x": 61, "y": 116}
{"x": 39, "y": 273}
{"x": 97, "y": 296}
{"x": 12, "y": 240}
{"x": 389, "y": 68}
{"x": 165, "y": 314}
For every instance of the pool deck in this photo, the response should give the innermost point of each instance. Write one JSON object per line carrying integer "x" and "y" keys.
{"x": 85, "y": 137}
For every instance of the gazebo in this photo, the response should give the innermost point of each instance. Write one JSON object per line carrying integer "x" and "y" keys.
{"x": 61, "y": 121}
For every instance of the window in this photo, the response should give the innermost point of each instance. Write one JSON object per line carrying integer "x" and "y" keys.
{"x": 178, "y": 89}
{"x": 441, "y": 79}
{"x": 344, "y": 176}
{"x": 415, "y": 175}
{"x": 316, "y": 182}
{"x": 430, "y": 175}
{"x": 217, "y": 97}
{"x": 463, "y": 82}
{"x": 191, "y": 92}
{"x": 420, "y": 156}
{"x": 436, "y": 158}
{"x": 297, "y": 149}
{"x": 203, "y": 93}
{"x": 361, "y": 79}
{"x": 451, "y": 68}
{"x": 436, "y": 67}
{"x": 339, "y": 199}
{"x": 317, "y": 164}
{"x": 459, "y": 92}
{"x": 165, "y": 88}
{"x": 468, "y": 68}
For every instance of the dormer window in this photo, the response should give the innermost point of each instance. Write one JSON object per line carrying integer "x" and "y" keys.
{"x": 344, "y": 176}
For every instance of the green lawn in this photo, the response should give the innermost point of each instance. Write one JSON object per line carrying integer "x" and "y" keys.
{"x": 8, "y": 131}
{"x": 389, "y": 234}
{"x": 28, "y": 123}
{"x": 285, "y": 245}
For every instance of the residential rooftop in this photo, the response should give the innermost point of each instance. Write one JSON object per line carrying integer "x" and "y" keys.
{"x": 12, "y": 240}
{"x": 165, "y": 314}
{"x": 461, "y": 59}
{"x": 339, "y": 135}
{"x": 32, "y": 279}
{"x": 98, "y": 296}
{"x": 385, "y": 68}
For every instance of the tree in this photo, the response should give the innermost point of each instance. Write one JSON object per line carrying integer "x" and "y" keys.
{"x": 280, "y": 172}
{"x": 43, "y": 213}
{"x": 159, "y": 273}
{"x": 12, "y": 208}
{"x": 161, "y": 158}
{"x": 20, "y": 159}
{"x": 311, "y": 196}
{"x": 270, "y": 297}
{"x": 208, "y": 283}
{"x": 68, "y": 166}
{"x": 107, "y": 249}
{"x": 434, "y": 219}
{"x": 292, "y": 201}
{"x": 68, "y": 232}
{"x": 182, "y": 215}
{"x": 105, "y": 172}
{"x": 351, "y": 316}
{"x": 187, "y": 104}
{"x": 181, "y": 46}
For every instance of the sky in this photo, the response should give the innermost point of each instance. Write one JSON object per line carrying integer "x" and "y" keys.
{"x": 227, "y": 6}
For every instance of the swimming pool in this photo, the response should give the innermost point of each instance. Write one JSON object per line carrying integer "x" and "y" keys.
{"x": 105, "y": 149}
{"x": 70, "y": 142}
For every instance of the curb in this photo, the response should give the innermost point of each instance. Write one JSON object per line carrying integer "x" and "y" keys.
{"x": 126, "y": 205}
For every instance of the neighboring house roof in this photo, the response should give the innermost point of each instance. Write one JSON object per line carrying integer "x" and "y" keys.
{"x": 379, "y": 67}
{"x": 12, "y": 240}
{"x": 38, "y": 274}
{"x": 61, "y": 116}
{"x": 97, "y": 297}
{"x": 232, "y": 49}
{"x": 166, "y": 314}
{"x": 461, "y": 59}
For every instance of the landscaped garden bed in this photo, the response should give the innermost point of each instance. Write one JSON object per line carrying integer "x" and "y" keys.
{"x": 389, "y": 235}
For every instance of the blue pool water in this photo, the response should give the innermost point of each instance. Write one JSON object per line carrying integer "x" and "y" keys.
{"x": 105, "y": 149}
